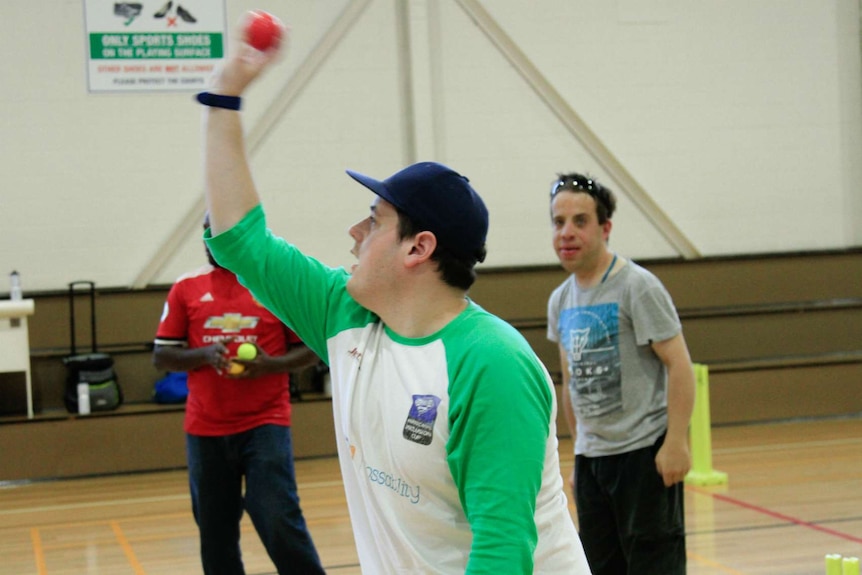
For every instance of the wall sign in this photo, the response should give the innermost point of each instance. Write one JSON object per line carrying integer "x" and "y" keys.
{"x": 153, "y": 45}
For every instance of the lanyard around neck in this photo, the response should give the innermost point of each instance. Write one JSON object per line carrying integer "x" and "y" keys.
{"x": 608, "y": 271}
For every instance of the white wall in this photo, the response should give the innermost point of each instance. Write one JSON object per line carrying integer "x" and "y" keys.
{"x": 739, "y": 118}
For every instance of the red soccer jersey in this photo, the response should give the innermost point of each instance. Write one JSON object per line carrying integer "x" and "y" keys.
{"x": 210, "y": 305}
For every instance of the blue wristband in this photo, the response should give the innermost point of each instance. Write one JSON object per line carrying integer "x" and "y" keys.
{"x": 219, "y": 101}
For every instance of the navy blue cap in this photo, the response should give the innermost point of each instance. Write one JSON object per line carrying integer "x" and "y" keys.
{"x": 439, "y": 200}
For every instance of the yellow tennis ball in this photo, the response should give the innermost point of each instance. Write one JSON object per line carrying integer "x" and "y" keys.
{"x": 235, "y": 368}
{"x": 246, "y": 351}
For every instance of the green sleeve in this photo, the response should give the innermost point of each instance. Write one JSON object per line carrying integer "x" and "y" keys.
{"x": 306, "y": 295}
{"x": 500, "y": 409}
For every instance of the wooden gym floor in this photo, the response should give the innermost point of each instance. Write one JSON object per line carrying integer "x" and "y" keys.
{"x": 794, "y": 494}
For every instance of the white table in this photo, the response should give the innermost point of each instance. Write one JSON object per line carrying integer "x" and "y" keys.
{"x": 15, "y": 341}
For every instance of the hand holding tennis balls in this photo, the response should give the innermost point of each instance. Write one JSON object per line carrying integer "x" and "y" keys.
{"x": 247, "y": 352}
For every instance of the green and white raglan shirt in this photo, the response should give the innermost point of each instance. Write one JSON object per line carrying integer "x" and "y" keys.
{"x": 447, "y": 443}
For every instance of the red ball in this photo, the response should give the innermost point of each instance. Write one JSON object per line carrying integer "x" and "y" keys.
{"x": 263, "y": 30}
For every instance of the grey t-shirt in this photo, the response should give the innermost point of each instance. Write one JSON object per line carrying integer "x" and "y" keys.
{"x": 617, "y": 383}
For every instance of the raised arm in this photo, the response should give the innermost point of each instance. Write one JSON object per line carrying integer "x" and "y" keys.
{"x": 229, "y": 188}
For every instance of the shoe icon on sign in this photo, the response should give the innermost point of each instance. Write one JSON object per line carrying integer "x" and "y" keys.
{"x": 181, "y": 13}
{"x": 163, "y": 11}
{"x": 185, "y": 15}
{"x": 130, "y": 10}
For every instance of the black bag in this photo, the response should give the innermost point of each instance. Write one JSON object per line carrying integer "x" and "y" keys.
{"x": 95, "y": 369}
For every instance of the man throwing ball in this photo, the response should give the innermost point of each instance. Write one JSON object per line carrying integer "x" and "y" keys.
{"x": 444, "y": 416}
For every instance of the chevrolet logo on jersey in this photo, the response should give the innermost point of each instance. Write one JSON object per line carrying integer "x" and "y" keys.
{"x": 231, "y": 322}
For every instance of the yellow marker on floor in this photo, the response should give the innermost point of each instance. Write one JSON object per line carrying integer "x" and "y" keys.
{"x": 833, "y": 564}
{"x": 700, "y": 434}
{"x": 850, "y": 566}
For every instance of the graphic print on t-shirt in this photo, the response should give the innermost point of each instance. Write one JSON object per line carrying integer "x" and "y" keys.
{"x": 231, "y": 322}
{"x": 590, "y": 336}
{"x": 419, "y": 426}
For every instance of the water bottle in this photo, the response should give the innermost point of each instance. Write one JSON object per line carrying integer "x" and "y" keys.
{"x": 83, "y": 398}
{"x": 15, "y": 286}
{"x": 327, "y": 385}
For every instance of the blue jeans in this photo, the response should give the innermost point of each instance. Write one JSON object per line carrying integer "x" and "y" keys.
{"x": 264, "y": 456}
{"x": 628, "y": 521}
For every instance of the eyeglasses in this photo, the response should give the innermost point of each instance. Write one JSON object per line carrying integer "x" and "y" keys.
{"x": 575, "y": 182}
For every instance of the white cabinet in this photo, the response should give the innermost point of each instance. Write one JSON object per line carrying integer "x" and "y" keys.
{"x": 15, "y": 342}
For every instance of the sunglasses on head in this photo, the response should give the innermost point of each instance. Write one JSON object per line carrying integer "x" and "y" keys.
{"x": 575, "y": 182}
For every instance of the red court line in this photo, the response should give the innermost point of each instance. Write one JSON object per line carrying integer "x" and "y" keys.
{"x": 777, "y": 515}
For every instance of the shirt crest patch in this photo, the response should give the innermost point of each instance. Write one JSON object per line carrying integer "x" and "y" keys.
{"x": 419, "y": 427}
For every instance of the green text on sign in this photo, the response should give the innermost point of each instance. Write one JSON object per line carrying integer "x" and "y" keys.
{"x": 156, "y": 46}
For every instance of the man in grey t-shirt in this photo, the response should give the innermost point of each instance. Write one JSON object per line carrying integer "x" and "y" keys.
{"x": 628, "y": 391}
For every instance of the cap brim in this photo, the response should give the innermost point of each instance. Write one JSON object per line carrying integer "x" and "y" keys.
{"x": 375, "y": 186}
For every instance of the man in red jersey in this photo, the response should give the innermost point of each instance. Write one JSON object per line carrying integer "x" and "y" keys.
{"x": 237, "y": 420}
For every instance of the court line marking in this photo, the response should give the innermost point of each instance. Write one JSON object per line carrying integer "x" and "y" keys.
{"x": 789, "y": 446}
{"x": 38, "y": 551}
{"x": 113, "y": 503}
{"x": 127, "y": 548}
{"x": 136, "y": 501}
{"x": 711, "y": 563}
{"x": 778, "y": 515}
